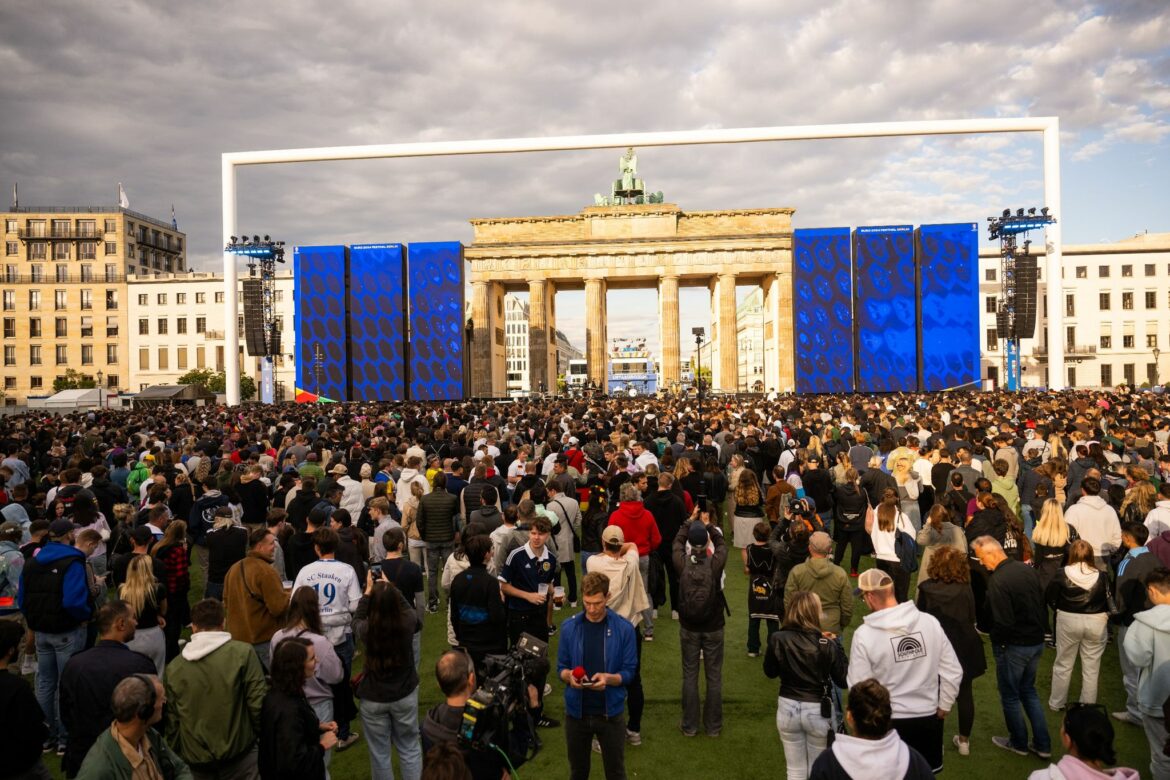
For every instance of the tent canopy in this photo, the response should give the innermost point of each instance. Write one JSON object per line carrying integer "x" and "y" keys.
{"x": 169, "y": 394}
{"x": 74, "y": 399}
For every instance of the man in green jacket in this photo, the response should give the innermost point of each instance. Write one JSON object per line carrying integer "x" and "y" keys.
{"x": 437, "y": 511}
{"x": 215, "y": 688}
{"x": 821, "y": 576}
{"x": 137, "y": 704}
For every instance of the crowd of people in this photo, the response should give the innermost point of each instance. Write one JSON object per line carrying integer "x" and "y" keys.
{"x": 234, "y": 593}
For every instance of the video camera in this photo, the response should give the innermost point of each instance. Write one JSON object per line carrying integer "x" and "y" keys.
{"x": 496, "y": 716}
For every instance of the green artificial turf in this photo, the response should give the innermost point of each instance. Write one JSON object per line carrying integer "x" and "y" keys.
{"x": 749, "y": 746}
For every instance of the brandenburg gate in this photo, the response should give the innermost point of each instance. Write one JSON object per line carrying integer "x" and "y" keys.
{"x": 630, "y": 240}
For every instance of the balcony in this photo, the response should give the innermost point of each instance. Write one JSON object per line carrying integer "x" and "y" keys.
{"x": 73, "y": 234}
{"x": 63, "y": 279}
{"x": 161, "y": 244}
{"x": 1073, "y": 353}
{"x": 213, "y": 335}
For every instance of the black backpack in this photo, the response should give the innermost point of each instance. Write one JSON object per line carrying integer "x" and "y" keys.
{"x": 700, "y": 597}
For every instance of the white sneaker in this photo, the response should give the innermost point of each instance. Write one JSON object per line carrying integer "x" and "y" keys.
{"x": 674, "y": 614}
{"x": 596, "y": 745}
{"x": 964, "y": 745}
{"x": 654, "y": 614}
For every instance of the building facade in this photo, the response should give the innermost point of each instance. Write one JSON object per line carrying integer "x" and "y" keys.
{"x": 1115, "y": 326}
{"x": 516, "y": 347}
{"x": 176, "y": 325}
{"x": 64, "y": 292}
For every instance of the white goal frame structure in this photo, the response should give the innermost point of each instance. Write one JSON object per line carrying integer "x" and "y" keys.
{"x": 1049, "y": 127}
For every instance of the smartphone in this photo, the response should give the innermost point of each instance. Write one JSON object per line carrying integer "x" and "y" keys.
{"x": 587, "y": 682}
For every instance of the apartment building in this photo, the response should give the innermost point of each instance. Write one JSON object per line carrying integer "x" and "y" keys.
{"x": 63, "y": 292}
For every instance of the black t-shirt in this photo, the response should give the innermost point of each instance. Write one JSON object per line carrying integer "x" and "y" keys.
{"x": 593, "y": 641}
{"x": 225, "y": 546}
{"x": 406, "y": 576}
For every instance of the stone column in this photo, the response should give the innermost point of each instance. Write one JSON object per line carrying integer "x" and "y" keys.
{"x": 785, "y": 337}
{"x": 728, "y": 376}
{"x": 539, "y": 336}
{"x": 487, "y": 347}
{"x": 596, "y": 352}
{"x": 668, "y": 329}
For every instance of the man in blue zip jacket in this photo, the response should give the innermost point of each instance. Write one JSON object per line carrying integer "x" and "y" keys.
{"x": 601, "y": 644}
{"x": 54, "y": 597}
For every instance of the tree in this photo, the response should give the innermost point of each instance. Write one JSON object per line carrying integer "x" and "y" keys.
{"x": 216, "y": 382}
{"x": 73, "y": 380}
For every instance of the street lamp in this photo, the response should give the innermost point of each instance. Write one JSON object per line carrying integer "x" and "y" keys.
{"x": 1157, "y": 352}
{"x": 100, "y": 377}
{"x": 699, "y": 333}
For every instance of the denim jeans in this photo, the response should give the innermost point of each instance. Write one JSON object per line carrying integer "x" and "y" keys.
{"x": 436, "y": 558}
{"x": 803, "y": 733}
{"x": 1015, "y": 676}
{"x": 53, "y": 652}
{"x": 324, "y": 712}
{"x": 213, "y": 590}
{"x": 1027, "y": 519}
{"x": 393, "y": 723}
{"x": 1129, "y": 678}
{"x": 1156, "y": 735}
{"x": 611, "y": 736}
{"x": 711, "y": 645}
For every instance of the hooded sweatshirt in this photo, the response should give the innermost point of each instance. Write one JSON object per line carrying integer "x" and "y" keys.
{"x": 1072, "y": 768}
{"x": 830, "y": 582}
{"x": 638, "y": 526}
{"x": 869, "y": 759}
{"x": 1158, "y": 520}
{"x": 1147, "y": 645}
{"x": 907, "y": 651}
{"x": 1096, "y": 522}
{"x": 215, "y": 689}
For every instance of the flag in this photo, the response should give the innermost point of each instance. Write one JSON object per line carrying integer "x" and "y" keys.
{"x": 123, "y": 201}
{"x": 174, "y": 222}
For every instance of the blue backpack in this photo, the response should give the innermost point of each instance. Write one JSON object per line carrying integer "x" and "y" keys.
{"x": 907, "y": 550}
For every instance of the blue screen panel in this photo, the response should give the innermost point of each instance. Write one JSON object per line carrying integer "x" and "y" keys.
{"x": 377, "y": 323}
{"x": 884, "y": 309}
{"x": 436, "y": 320}
{"x": 319, "y": 274}
{"x": 822, "y": 293}
{"x": 948, "y": 269}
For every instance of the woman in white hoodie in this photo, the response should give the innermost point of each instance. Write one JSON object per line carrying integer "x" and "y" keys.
{"x": 1087, "y": 736}
{"x": 874, "y": 752}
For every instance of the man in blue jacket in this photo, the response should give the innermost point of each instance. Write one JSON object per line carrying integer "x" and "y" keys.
{"x": 602, "y": 644}
{"x": 54, "y": 597}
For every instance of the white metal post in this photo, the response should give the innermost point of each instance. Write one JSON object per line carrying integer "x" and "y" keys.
{"x": 1053, "y": 271}
{"x": 231, "y": 334}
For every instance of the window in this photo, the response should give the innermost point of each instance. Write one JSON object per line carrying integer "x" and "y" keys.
{"x": 62, "y": 355}
{"x": 144, "y": 327}
{"x": 1127, "y": 300}
{"x": 144, "y": 359}
{"x": 200, "y": 297}
{"x": 200, "y": 324}
{"x": 278, "y": 295}
{"x": 111, "y": 327}
{"x": 87, "y": 273}
{"x": 87, "y": 354}
{"x": 162, "y": 326}
{"x": 990, "y": 305}
{"x": 38, "y": 274}
{"x": 111, "y": 226}
{"x": 142, "y": 299}
{"x": 1107, "y": 342}
{"x": 1151, "y": 340}
{"x": 1070, "y": 307}
{"x": 10, "y": 226}
{"x": 162, "y": 299}
{"x": 34, "y": 300}
{"x": 87, "y": 327}
{"x": 61, "y": 327}
{"x": 112, "y": 357}
{"x": 180, "y": 298}
{"x": 1151, "y": 269}
{"x": 9, "y": 383}
{"x": 1070, "y": 337}
{"x": 37, "y": 252}
{"x": 34, "y": 327}
{"x": 35, "y": 382}
{"x": 111, "y": 299}
{"x": 9, "y": 300}
{"x": 992, "y": 340}
{"x": 61, "y": 228}
{"x": 1082, "y": 272}
{"x": 112, "y": 381}
{"x": 1106, "y": 374}
{"x": 181, "y": 325}
{"x": 1127, "y": 341}
{"x": 163, "y": 359}
{"x": 9, "y": 327}
{"x": 240, "y": 324}
{"x": 11, "y": 248}
{"x": 181, "y": 358}
{"x": 1127, "y": 270}
{"x": 1103, "y": 271}
{"x": 87, "y": 227}
{"x": 1130, "y": 374}
{"x": 34, "y": 355}
{"x": 111, "y": 248}
{"x": 60, "y": 250}
{"x": 111, "y": 272}
{"x": 1105, "y": 302}
{"x": 219, "y": 297}
{"x": 62, "y": 272}
{"x": 10, "y": 356}
{"x": 200, "y": 357}
{"x": 87, "y": 250}
{"x": 36, "y": 228}
{"x": 86, "y": 299}
{"x": 60, "y": 300}
{"x": 1151, "y": 299}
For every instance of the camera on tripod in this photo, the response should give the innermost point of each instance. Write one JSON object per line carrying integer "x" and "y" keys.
{"x": 496, "y": 715}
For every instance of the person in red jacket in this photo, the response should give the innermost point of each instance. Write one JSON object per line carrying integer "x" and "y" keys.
{"x": 638, "y": 527}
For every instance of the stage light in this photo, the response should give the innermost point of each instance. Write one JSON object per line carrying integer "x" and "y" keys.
{"x": 234, "y": 239}
{"x": 269, "y": 238}
{"x": 256, "y": 239}
{"x": 1019, "y": 212}
{"x": 1007, "y": 213}
{"x": 1044, "y": 211}
{"x": 1032, "y": 212}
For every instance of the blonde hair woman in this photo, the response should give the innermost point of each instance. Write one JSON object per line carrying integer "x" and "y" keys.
{"x": 1139, "y": 502}
{"x": 734, "y": 468}
{"x": 415, "y": 543}
{"x": 147, "y": 598}
{"x": 909, "y": 486}
{"x": 883, "y": 526}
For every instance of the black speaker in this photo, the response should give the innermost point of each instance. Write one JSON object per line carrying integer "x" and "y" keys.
{"x": 273, "y": 339}
{"x": 1001, "y": 322}
{"x": 253, "y": 290}
{"x": 1026, "y": 298}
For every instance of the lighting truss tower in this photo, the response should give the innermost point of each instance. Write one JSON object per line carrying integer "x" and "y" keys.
{"x": 1006, "y": 228}
{"x": 263, "y": 255}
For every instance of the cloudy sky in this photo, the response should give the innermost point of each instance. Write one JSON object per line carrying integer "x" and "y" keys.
{"x": 150, "y": 94}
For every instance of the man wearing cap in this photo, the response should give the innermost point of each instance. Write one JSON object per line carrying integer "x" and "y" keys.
{"x": 907, "y": 652}
{"x": 54, "y": 598}
{"x": 352, "y": 498}
{"x": 821, "y": 576}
